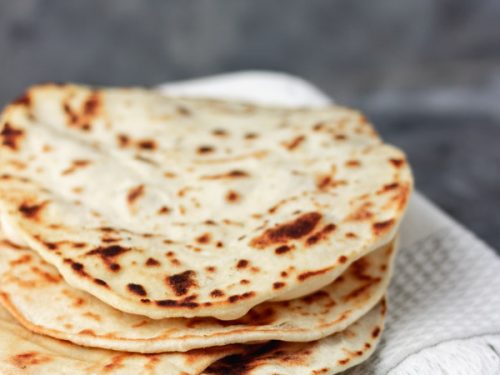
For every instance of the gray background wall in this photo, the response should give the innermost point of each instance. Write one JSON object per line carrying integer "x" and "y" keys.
{"x": 426, "y": 71}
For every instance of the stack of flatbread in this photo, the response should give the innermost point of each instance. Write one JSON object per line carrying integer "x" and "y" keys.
{"x": 144, "y": 234}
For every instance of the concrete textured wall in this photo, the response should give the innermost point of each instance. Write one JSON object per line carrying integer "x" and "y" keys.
{"x": 426, "y": 71}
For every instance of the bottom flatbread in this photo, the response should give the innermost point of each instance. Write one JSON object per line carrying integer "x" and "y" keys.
{"x": 327, "y": 356}
{"x": 24, "y": 352}
{"x": 27, "y": 282}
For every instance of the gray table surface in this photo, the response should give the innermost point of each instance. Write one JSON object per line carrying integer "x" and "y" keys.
{"x": 426, "y": 72}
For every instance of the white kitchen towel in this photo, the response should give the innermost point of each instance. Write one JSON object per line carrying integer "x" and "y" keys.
{"x": 444, "y": 299}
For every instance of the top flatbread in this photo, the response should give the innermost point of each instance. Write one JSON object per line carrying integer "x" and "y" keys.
{"x": 171, "y": 207}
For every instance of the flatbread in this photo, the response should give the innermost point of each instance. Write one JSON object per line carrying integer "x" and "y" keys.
{"x": 327, "y": 356}
{"x": 27, "y": 283}
{"x": 23, "y": 352}
{"x": 176, "y": 207}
